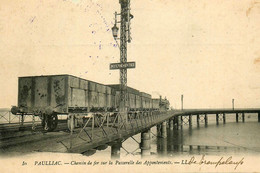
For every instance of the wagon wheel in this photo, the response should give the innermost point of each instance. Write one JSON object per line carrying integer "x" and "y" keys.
{"x": 49, "y": 122}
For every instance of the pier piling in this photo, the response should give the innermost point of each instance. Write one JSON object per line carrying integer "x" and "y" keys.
{"x": 164, "y": 130}
{"x": 115, "y": 150}
{"x": 217, "y": 119}
{"x": 190, "y": 120}
{"x": 145, "y": 143}
{"x": 171, "y": 124}
{"x": 198, "y": 119}
{"x": 159, "y": 129}
{"x": 206, "y": 119}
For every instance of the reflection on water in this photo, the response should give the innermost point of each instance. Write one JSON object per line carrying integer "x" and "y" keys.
{"x": 230, "y": 138}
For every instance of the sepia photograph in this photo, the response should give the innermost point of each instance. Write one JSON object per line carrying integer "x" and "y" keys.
{"x": 129, "y": 86}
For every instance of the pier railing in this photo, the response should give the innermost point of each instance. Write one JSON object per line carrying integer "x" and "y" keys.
{"x": 111, "y": 126}
{"x": 6, "y": 117}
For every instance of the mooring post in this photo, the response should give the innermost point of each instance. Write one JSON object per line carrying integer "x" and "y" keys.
{"x": 115, "y": 150}
{"x": 243, "y": 117}
{"x": 259, "y": 117}
{"x": 217, "y": 119}
{"x": 237, "y": 117}
{"x": 190, "y": 120}
{"x": 145, "y": 143}
{"x": 164, "y": 130}
{"x": 224, "y": 118}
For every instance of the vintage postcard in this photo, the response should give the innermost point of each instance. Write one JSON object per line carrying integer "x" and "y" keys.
{"x": 129, "y": 86}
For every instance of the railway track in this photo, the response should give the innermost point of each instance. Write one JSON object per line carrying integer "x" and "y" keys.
{"x": 16, "y": 127}
{"x": 28, "y": 138}
{"x": 15, "y": 134}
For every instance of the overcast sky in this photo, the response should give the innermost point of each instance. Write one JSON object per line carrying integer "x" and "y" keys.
{"x": 206, "y": 50}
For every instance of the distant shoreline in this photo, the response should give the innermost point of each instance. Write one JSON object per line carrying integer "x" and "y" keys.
{"x": 5, "y": 109}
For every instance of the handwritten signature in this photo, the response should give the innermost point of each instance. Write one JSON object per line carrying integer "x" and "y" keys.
{"x": 221, "y": 161}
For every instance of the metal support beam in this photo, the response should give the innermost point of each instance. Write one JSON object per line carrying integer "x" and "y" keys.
{"x": 259, "y": 117}
{"x": 237, "y": 117}
{"x": 217, "y": 119}
{"x": 243, "y": 117}
{"x": 164, "y": 130}
{"x": 145, "y": 143}
{"x": 198, "y": 119}
{"x": 224, "y": 118}
{"x": 123, "y": 56}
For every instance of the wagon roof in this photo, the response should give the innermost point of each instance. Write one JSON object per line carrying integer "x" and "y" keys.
{"x": 60, "y": 75}
{"x": 117, "y": 87}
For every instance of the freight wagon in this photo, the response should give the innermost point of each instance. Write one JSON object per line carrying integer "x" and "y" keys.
{"x": 133, "y": 100}
{"x": 146, "y": 101}
{"x": 48, "y": 96}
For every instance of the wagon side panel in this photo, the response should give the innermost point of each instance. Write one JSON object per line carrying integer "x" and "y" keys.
{"x": 78, "y": 92}
{"x": 58, "y": 92}
{"x": 93, "y": 95}
{"x": 25, "y": 93}
{"x": 138, "y": 101}
{"x": 41, "y": 93}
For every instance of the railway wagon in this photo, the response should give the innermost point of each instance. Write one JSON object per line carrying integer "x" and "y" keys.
{"x": 47, "y": 96}
{"x": 132, "y": 103}
{"x": 146, "y": 100}
{"x": 155, "y": 104}
{"x": 138, "y": 102}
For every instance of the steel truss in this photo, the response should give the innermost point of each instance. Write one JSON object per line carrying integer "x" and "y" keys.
{"x": 105, "y": 125}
